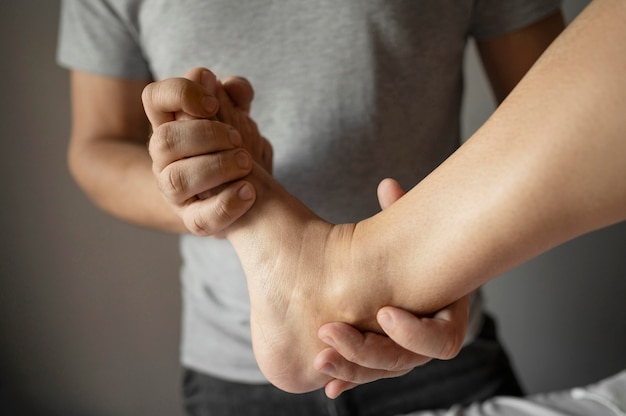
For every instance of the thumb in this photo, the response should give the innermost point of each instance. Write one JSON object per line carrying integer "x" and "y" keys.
{"x": 206, "y": 79}
{"x": 389, "y": 191}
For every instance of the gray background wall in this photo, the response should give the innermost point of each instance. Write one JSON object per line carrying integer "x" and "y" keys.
{"x": 89, "y": 306}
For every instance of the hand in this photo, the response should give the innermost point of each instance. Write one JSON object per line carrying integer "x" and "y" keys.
{"x": 235, "y": 95}
{"x": 355, "y": 358}
{"x": 302, "y": 272}
{"x": 200, "y": 162}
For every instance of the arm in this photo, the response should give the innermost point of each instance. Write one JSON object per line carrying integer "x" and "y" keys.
{"x": 506, "y": 59}
{"x": 545, "y": 168}
{"x": 355, "y": 358}
{"x": 179, "y": 155}
{"x": 492, "y": 205}
{"x": 108, "y": 155}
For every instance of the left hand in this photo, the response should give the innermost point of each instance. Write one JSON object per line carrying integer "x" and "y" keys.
{"x": 355, "y": 358}
{"x": 201, "y": 163}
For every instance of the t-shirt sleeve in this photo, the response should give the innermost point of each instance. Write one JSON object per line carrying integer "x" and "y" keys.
{"x": 100, "y": 37}
{"x": 492, "y": 18}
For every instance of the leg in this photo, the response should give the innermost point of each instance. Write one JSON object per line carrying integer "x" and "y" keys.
{"x": 284, "y": 249}
{"x": 302, "y": 272}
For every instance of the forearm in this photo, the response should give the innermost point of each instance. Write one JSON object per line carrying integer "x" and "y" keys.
{"x": 116, "y": 175}
{"x": 547, "y": 167}
{"x": 530, "y": 179}
{"x": 108, "y": 155}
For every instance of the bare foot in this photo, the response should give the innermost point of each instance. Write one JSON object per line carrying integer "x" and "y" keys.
{"x": 291, "y": 259}
{"x": 299, "y": 271}
{"x": 282, "y": 245}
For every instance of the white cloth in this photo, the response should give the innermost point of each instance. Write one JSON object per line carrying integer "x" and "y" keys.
{"x": 605, "y": 398}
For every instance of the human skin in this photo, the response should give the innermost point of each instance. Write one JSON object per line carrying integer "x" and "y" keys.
{"x": 372, "y": 324}
{"x": 187, "y": 138}
{"x": 598, "y": 73}
{"x": 491, "y": 206}
{"x": 107, "y": 154}
{"x": 108, "y": 158}
{"x": 179, "y": 96}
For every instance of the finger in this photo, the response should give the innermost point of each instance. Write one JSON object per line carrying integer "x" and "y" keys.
{"x": 389, "y": 191}
{"x": 163, "y": 100}
{"x": 175, "y": 141}
{"x": 230, "y": 114}
{"x": 181, "y": 180}
{"x": 240, "y": 91}
{"x": 440, "y": 336}
{"x": 204, "y": 217}
{"x": 208, "y": 80}
{"x": 331, "y": 363}
{"x": 367, "y": 349}
{"x": 335, "y": 387}
{"x": 227, "y": 112}
{"x": 204, "y": 77}
{"x": 268, "y": 156}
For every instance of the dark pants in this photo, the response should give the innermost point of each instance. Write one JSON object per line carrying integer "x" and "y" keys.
{"x": 480, "y": 371}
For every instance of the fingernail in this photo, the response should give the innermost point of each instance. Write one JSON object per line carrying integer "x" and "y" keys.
{"x": 327, "y": 369}
{"x": 245, "y": 192}
{"x": 210, "y": 104}
{"x": 385, "y": 320}
{"x": 235, "y": 137}
{"x": 243, "y": 160}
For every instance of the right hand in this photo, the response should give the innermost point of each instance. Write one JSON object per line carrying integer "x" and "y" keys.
{"x": 355, "y": 358}
{"x": 200, "y": 163}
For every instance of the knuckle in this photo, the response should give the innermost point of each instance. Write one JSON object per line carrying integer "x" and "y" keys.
{"x": 162, "y": 142}
{"x": 197, "y": 225}
{"x": 219, "y": 167}
{"x": 354, "y": 348}
{"x": 189, "y": 97}
{"x": 396, "y": 364}
{"x": 409, "y": 341}
{"x": 184, "y": 92}
{"x": 211, "y": 221}
{"x": 158, "y": 94}
{"x": 222, "y": 212}
{"x": 451, "y": 348}
{"x": 215, "y": 132}
{"x": 172, "y": 182}
{"x": 351, "y": 373}
{"x": 352, "y": 355}
{"x": 147, "y": 94}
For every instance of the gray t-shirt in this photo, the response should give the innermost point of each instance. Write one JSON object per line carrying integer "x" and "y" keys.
{"x": 348, "y": 92}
